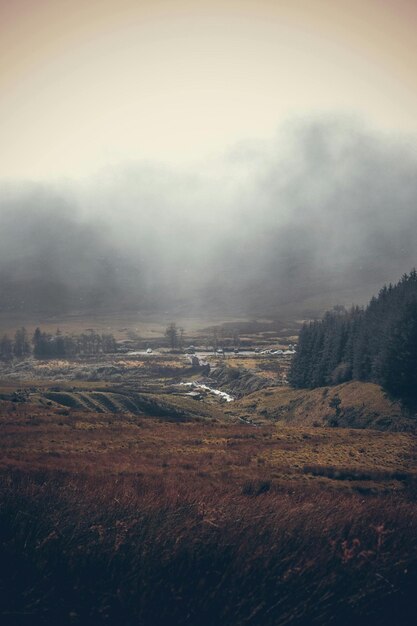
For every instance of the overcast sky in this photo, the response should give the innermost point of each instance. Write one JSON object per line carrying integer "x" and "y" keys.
{"x": 85, "y": 85}
{"x": 243, "y": 155}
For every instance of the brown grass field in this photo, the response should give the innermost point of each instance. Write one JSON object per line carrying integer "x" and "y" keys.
{"x": 124, "y": 501}
{"x": 362, "y": 405}
{"x": 122, "y": 519}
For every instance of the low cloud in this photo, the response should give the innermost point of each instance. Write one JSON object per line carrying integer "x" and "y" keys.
{"x": 325, "y": 212}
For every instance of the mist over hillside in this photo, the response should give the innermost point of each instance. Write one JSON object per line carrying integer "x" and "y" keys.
{"x": 323, "y": 213}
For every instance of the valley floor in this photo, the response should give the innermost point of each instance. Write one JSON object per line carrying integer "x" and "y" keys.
{"x": 125, "y": 500}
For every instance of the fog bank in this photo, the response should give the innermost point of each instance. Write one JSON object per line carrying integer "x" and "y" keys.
{"x": 325, "y": 212}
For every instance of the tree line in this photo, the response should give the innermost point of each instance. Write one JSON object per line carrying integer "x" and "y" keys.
{"x": 376, "y": 344}
{"x": 46, "y": 345}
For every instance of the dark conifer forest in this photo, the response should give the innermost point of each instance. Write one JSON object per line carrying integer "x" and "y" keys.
{"x": 376, "y": 344}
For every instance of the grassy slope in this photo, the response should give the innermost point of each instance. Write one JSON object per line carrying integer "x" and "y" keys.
{"x": 166, "y": 524}
{"x": 363, "y": 405}
{"x": 123, "y": 550}
{"x": 209, "y": 450}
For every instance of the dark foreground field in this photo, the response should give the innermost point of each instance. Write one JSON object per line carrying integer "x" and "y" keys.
{"x": 117, "y": 519}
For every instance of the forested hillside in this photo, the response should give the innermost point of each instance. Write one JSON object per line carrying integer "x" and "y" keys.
{"x": 377, "y": 344}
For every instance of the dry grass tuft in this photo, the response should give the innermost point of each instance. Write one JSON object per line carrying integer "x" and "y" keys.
{"x": 109, "y": 518}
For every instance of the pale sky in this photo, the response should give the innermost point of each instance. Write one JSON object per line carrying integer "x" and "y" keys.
{"x": 85, "y": 85}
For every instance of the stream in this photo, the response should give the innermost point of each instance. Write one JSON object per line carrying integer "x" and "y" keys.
{"x": 216, "y": 392}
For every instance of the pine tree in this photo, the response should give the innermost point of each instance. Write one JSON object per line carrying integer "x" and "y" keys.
{"x": 21, "y": 346}
{"x": 399, "y": 370}
{"x": 378, "y": 344}
{"x": 6, "y": 348}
